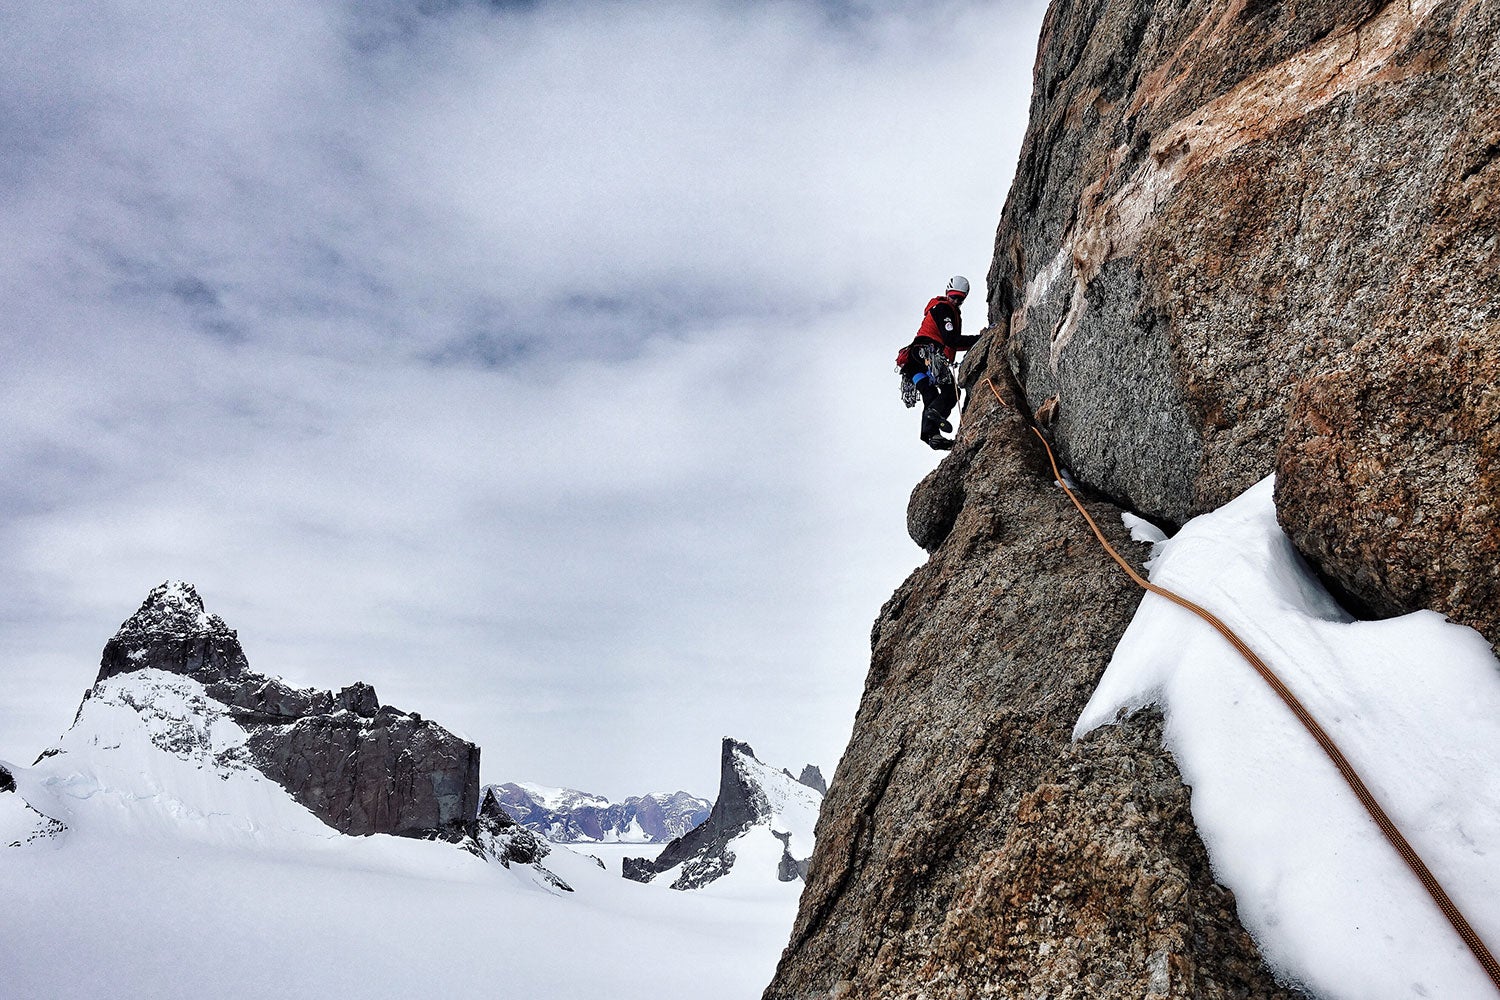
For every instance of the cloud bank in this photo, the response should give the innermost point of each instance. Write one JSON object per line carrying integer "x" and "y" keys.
{"x": 531, "y": 361}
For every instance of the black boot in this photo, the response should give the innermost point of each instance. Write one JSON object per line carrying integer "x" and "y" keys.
{"x": 934, "y": 422}
{"x": 939, "y": 443}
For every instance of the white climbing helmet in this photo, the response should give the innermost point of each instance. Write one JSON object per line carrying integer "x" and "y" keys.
{"x": 958, "y": 283}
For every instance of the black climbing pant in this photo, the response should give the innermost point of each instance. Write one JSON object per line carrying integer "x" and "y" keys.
{"x": 938, "y": 401}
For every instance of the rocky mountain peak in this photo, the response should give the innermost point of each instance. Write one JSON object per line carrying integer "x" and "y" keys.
{"x": 567, "y": 816}
{"x": 172, "y": 631}
{"x": 360, "y": 766}
{"x": 172, "y": 609}
{"x": 811, "y": 776}
{"x": 752, "y": 795}
{"x": 491, "y": 809}
{"x": 741, "y": 800}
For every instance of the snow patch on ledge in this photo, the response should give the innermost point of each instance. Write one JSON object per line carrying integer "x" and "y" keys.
{"x": 1414, "y": 703}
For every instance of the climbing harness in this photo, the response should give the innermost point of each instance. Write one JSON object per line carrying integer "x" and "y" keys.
{"x": 1351, "y": 777}
{"x": 938, "y": 369}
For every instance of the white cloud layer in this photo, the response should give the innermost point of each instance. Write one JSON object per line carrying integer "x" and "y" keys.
{"x": 531, "y": 362}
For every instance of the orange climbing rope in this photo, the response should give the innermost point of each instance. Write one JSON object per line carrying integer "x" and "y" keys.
{"x": 1351, "y": 777}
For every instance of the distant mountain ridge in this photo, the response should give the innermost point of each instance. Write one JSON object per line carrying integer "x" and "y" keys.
{"x": 569, "y": 816}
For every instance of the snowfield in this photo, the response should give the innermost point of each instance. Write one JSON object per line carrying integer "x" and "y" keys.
{"x": 157, "y": 863}
{"x": 1413, "y": 702}
{"x": 379, "y": 917}
{"x": 183, "y": 873}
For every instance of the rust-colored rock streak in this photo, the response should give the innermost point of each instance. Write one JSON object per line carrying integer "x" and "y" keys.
{"x": 1224, "y": 216}
{"x": 1254, "y": 110}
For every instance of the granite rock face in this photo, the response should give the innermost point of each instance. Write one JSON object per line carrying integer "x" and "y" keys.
{"x": 1389, "y": 479}
{"x": 359, "y": 766}
{"x": 936, "y": 502}
{"x": 967, "y": 846}
{"x": 1242, "y": 238}
{"x": 1227, "y": 216}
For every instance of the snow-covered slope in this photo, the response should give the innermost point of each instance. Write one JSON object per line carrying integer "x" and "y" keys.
{"x": 1414, "y": 702}
{"x": 789, "y": 808}
{"x": 560, "y": 799}
{"x": 21, "y": 825}
{"x": 152, "y": 755}
{"x": 146, "y": 858}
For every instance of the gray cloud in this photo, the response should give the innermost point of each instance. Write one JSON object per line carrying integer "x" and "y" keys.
{"x": 531, "y": 361}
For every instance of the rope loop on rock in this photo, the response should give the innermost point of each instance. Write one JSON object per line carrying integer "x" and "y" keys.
{"x": 1356, "y": 784}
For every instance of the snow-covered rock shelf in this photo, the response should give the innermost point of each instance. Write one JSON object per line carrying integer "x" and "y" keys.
{"x": 1414, "y": 702}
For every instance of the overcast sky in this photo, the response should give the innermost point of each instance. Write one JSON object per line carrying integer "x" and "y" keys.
{"x": 530, "y": 361}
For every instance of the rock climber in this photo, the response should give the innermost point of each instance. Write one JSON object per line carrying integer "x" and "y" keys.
{"x": 926, "y": 365}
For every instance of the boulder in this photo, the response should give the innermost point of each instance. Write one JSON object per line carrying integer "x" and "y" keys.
{"x": 1388, "y": 479}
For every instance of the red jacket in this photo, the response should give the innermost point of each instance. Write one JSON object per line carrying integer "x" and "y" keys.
{"x": 943, "y": 324}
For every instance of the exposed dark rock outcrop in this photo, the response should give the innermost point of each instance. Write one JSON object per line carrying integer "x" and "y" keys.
{"x": 383, "y": 773}
{"x": 7, "y": 781}
{"x": 789, "y": 868}
{"x": 705, "y": 853}
{"x": 812, "y": 777}
{"x": 37, "y": 828}
{"x": 967, "y": 846}
{"x": 1226, "y": 215}
{"x": 360, "y": 766}
{"x": 494, "y": 836}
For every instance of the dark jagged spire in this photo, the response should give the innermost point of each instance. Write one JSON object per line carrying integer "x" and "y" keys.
{"x": 172, "y": 631}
